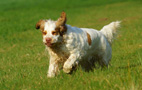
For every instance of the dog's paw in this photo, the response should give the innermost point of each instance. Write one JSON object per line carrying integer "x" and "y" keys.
{"x": 67, "y": 68}
{"x": 50, "y": 75}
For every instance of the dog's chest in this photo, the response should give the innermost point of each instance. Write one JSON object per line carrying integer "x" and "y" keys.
{"x": 61, "y": 52}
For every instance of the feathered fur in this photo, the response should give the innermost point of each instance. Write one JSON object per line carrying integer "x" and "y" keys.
{"x": 110, "y": 31}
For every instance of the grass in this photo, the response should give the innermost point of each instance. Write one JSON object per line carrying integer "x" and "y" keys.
{"x": 24, "y": 61}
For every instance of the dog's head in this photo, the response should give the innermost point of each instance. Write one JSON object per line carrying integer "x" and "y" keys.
{"x": 52, "y": 31}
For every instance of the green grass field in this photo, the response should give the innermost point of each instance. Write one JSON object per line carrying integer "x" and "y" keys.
{"x": 24, "y": 61}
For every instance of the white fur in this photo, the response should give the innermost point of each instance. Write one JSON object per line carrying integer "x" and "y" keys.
{"x": 73, "y": 47}
{"x": 111, "y": 30}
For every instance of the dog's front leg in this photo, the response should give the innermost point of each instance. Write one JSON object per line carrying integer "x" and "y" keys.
{"x": 53, "y": 68}
{"x": 70, "y": 63}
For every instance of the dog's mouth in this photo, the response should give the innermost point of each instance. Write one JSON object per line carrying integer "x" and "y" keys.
{"x": 49, "y": 44}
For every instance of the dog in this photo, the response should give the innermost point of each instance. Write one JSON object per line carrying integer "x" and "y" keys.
{"x": 70, "y": 46}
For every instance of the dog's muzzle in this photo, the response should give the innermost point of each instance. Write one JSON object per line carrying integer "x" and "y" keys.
{"x": 49, "y": 42}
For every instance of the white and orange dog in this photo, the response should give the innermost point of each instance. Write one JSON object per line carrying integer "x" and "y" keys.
{"x": 70, "y": 46}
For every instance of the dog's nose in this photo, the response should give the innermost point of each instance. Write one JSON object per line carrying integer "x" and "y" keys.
{"x": 48, "y": 39}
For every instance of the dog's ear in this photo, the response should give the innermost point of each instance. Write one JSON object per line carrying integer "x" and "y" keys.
{"x": 40, "y": 25}
{"x": 60, "y": 24}
{"x": 62, "y": 20}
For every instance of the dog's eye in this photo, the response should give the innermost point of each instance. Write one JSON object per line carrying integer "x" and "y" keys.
{"x": 54, "y": 33}
{"x": 44, "y": 32}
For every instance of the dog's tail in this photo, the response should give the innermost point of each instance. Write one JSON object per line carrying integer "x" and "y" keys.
{"x": 110, "y": 30}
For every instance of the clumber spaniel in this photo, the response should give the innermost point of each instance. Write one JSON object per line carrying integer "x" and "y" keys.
{"x": 70, "y": 46}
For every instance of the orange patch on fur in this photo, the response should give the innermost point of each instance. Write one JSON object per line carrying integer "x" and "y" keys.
{"x": 44, "y": 32}
{"x": 40, "y": 25}
{"x": 55, "y": 32}
{"x": 89, "y": 39}
{"x": 60, "y": 24}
